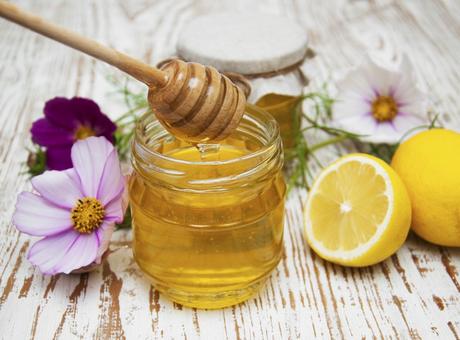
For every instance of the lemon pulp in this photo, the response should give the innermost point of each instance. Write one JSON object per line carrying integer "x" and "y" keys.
{"x": 358, "y": 211}
{"x": 355, "y": 206}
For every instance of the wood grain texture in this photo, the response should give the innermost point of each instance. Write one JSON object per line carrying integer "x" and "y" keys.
{"x": 178, "y": 92}
{"x": 134, "y": 67}
{"x": 414, "y": 294}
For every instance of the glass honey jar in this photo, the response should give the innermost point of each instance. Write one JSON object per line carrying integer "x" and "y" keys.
{"x": 208, "y": 219}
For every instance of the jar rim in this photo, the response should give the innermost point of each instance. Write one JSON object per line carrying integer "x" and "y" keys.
{"x": 251, "y": 112}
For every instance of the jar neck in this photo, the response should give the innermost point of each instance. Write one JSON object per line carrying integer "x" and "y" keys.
{"x": 257, "y": 135}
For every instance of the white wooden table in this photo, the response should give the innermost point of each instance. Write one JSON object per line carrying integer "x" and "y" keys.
{"x": 414, "y": 294}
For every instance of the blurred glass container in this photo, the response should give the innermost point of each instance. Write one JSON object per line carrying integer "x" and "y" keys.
{"x": 263, "y": 53}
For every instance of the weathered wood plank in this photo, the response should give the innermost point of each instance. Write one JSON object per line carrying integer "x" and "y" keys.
{"x": 413, "y": 294}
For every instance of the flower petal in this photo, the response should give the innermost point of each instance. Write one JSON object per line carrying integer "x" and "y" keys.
{"x": 86, "y": 110}
{"x": 383, "y": 81}
{"x": 112, "y": 182}
{"x": 82, "y": 253}
{"x": 104, "y": 234}
{"x": 49, "y": 251}
{"x": 36, "y": 216}
{"x": 360, "y": 124}
{"x": 407, "y": 80}
{"x": 45, "y": 133}
{"x": 346, "y": 107}
{"x": 356, "y": 85}
{"x": 61, "y": 188}
{"x": 114, "y": 211}
{"x": 64, "y": 252}
{"x": 88, "y": 113}
{"x": 59, "y": 111}
{"x": 408, "y": 96}
{"x": 404, "y": 123}
{"x": 385, "y": 133}
{"x": 417, "y": 108}
{"x": 58, "y": 158}
{"x": 107, "y": 134}
{"x": 89, "y": 158}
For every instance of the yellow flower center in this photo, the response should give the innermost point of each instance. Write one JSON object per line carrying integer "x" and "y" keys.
{"x": 384, "y": 108}
{"x": 87, "y": 215}
{"x": 83, "y": 132}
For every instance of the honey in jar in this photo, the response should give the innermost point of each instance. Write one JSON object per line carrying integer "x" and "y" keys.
{"x": 208, "y": 219}
{"x": 282, "y": 107}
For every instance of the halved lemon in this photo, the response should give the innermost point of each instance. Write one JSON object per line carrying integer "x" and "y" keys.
{"x": 358, "y": 212}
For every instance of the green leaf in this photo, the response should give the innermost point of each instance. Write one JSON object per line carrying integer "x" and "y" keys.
{"x": 127, "y": 221}
{"x": 36, "y": 161}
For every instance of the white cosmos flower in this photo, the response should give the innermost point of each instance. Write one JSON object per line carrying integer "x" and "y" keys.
{"x": 379, "y": 103}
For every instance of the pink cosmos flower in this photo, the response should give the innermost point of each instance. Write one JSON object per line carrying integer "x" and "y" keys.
{"x": 379, "y": 103}
{"x": 74, "y": 209}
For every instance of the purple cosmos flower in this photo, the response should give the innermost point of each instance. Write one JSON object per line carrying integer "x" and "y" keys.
{"x": 65, "y": 122}
{"x": 74, "y": 209}
{"x": 379, "y": 103}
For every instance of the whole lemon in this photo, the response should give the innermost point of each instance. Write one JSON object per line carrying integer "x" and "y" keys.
{"x": 429, "y": 165}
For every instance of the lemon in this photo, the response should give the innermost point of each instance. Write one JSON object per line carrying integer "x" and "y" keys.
{"x": 358, "y": 212}
{"x": 429, "y": 165}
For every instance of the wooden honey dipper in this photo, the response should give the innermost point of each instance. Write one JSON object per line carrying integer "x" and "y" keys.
{"x": 193, "y": 102}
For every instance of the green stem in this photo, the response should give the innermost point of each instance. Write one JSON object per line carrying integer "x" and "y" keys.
{"x": 128, "y": 113}
{"x": 334, "y": 140}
